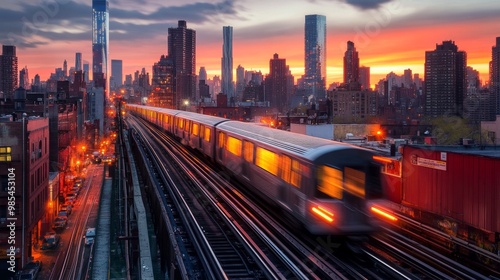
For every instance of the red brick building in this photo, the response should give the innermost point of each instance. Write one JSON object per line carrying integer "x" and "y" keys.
{"x": 24, "y": 168}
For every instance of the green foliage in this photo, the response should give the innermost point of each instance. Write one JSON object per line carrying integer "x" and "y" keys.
{"x": 449, "y": 129}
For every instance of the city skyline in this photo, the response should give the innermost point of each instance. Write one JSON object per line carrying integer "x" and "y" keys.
{"x": 389, "y": 35}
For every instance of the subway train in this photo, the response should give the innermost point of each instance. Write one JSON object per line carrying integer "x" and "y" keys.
{"x": 327, "y": 186}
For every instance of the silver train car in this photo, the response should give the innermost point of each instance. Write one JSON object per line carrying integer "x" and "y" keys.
{"x": 327, "y": 186}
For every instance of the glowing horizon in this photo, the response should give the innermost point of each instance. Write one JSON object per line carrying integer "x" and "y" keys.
{"x": 390, "y": 35}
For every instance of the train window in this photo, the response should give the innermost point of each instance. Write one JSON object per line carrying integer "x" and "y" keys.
{"x": 267, "y": 160}
{"x": 221, "y": 139}
{"x": 202, "y": 131}
{"x": 286, "y": 168}
{"x": 165, "y": 118}
{"x": 329, "y": 182}
{"x": 206, "y": 136}
{"x": 248, "y": 151}
{"x": 355, "y": 181}
{"x": 180, "y": 123}
{"x": 195, "y": 129}
{"x": 233, "y": 145}
{"x": 295, "y": 174}
{"x": 188, "y": 124}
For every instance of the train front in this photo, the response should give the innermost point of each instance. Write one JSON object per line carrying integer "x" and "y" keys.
{"x": 346, "y": 188}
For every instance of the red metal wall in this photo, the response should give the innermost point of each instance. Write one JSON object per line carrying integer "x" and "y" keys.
{"x": 468, "y": 190}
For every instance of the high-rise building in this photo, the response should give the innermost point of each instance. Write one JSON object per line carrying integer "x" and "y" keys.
{"x": 78, "y": 61}
{"x": 182, "y": 51}
{"x": 276, "y": 86}
{"x": 100, "y": 50}
{"x": 8, "y": 71}
{"x": 495, "y": 74}
{"x": 240, "y": 82}
{"x": 227, "y": 62}
{"x": 100, "y": 38}
{"x": 65, "y": 68}
{"x": 24, "y": 79}
{"x": 408, "y": 78}
{"x": 314, "y": 80}
{"x": 202, "y": 76}
{"x": 445, "y": 80}
{"x": 86, "y": 71}
{"x": 364, "y": 77}
{"x": 116, "y": 79}
{"x": 162, "y": 84}
{"x": 351, "y": 65}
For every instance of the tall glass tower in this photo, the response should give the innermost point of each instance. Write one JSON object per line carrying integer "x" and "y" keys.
{"x": 315, "y": 56}
{"x": 96, "y": 98}
{"x": 227, "y": 62}
{"x": 100, "y": 38}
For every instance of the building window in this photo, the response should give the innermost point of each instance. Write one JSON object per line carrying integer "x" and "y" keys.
{"x": 5, "y": 154}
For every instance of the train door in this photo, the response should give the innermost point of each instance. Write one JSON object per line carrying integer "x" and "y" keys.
{"x": 200, "y": 138}
{"x": 292, "y": 172}
{"x": 220, "y": 146}
{"x": 248, "y": 155}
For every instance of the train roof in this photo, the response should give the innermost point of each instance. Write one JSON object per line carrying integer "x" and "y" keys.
{"x": 205, "y": 119}
{"x": 304, "y": 145}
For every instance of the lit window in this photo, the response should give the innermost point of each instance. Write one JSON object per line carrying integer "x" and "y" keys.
{"x": 195, "y": 129}
{"x": 233, "y": 145}
{"x": 329, "y": 182}
{"x": 355, "y": 182}
{"x": 206, "y": 136}
{"x": 295, "y": 174}
{"x": 267, "y": 160}
{"x": 5, "y": 153}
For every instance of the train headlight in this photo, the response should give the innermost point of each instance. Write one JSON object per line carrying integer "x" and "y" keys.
{"x": 323, "y": 213}
{"x": 383, "y": 213}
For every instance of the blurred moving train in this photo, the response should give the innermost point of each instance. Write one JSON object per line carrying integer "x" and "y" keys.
{"x": 329, "y": 187}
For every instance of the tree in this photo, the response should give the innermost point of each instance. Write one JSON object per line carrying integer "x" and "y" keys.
{"x": 448, "y": 130}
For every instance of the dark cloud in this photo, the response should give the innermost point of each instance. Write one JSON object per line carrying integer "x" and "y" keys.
{"x": 69, "y": 21}
{"x": 366, "y": 4}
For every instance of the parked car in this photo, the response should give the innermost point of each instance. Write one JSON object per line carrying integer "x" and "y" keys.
{"x": 89, "y": 236}
{"x": 75, "y": 189}
{"x": 71, "y": 195}
{"x": 69, "y": 200}
{"x": 67, "y": 208}
{"x": 50, "y": 240}
{"x": 60, "y": 223}
{"x": 63, "y": 213}
{"x": 30, "y": 270}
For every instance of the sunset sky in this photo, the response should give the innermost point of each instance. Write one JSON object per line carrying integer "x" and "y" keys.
{"x": 390, "y": 35}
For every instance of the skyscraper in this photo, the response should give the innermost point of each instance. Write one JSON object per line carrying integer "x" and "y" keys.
{"x": 100, "y": 38}
{"x": 116, "y": 79}
{"x": 240, "y": 82}
{"x": 8, "y": 71}
{"x": 276, "y": 83}
{"x": 364, "y": 77}
{"x": 202, "y": 76}
{"x": 495, "y": 74}
{"x": 182, "y": 51}
{"x": 65, "y": 68}
{"x": 78, "y": 61}
{"x": 351, "y": 67}
{"x": 24, "y": 79}
{"x": 445, "y": 80}
{"x": 227, "y": 62}
{"x": 163, "y": 83}
{"x": 314, "y": 80}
